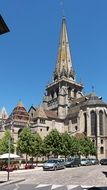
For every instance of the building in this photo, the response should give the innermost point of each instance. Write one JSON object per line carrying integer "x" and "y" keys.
{"x": 65, "y": 107}
{"x": 3, "y": 118}
{"x": 18, "y": 119}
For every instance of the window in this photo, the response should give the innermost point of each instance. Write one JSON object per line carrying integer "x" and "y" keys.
{"x": 101, "y": 141}
{"x": 75, "y": 93}
{"x": 47, "y": 128}
{"x": 76, "y": 128}
{"x": 20, "y": 130}
{"x": 40, "y": 129}
{"x": 35, "y": 121}
{"x": 42, "y": 121}
{"x": 101, "y": 150}
{"x": 57, "y": 92}
{"x": 69, "y": 92}
{"x": 85, "y": 123}
{"x": 93, "y": 123}
{"x": 101, "y": 122}
{"x": 52, "y": 94}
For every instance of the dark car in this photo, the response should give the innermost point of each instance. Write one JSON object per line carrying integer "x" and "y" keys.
{"x": 29, "y": 166}
{"x": 72, "y": 161}
{"x": 94, "y": 161}
{"x": 54, "y": 164}
{"x": 103, "y": 161}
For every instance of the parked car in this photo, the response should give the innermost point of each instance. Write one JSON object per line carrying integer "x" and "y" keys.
{"x": 72, "y": 161}
{"x": 54, "y": 164}
{"x": 94, "y": 161}
{"x": 86, "y": 162}
{"x": 29, "y": 166}
{"x": 103, "y": 161}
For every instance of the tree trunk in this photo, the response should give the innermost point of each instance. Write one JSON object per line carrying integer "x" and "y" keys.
{"x": 26, "y": 159}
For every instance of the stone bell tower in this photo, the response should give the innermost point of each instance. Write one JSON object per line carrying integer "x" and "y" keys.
{"x": 63, "y": 89}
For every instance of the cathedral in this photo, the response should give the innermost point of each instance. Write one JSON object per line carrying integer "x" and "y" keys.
{"x": 65, "y": 107}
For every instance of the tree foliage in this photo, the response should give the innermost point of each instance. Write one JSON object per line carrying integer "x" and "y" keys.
{"x": 29, "y": 143}
{"x": 25, "y": 142}
{"x": 36, "y": 149}
{"x": 5, "y": 141}
{"x": 87, "y": 147}
{"x": 66, "y": 144}
{"x": 53, "y": 143}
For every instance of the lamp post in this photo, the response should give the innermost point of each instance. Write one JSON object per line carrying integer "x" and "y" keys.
{"x": 9, "y": 145}
{"x": 8, "y": 169}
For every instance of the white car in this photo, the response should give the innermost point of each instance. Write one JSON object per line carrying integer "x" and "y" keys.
{"x": 85, "y": 162}
{"x": 53, "y": 164}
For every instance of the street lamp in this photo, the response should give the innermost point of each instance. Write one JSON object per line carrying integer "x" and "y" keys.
{"x": 8, "y": 168}
{"x": 3, "y": 27}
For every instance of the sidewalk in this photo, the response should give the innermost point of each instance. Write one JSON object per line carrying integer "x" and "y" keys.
{"x": 3, "y": 175}
{"x": 21, "y": 170}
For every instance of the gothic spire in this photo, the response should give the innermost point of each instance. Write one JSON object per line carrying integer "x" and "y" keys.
{"x": 64, "y": 61}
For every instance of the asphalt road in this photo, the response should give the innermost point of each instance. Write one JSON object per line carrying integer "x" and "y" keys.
{"x": 78, "y": 178}
{"x": 42, "y": 187}
{"x": 17, "y": 186}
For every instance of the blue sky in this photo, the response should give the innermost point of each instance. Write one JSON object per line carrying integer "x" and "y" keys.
{"x": 28, "y": 53}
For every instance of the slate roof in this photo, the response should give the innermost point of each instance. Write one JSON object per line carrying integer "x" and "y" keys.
{"x": 90, "y": 100}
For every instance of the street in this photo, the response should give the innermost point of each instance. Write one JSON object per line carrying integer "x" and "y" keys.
{"x": 40, "y": 187}
{"x": 77, "y": 178}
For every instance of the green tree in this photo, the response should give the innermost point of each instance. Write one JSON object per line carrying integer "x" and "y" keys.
{"x": 36, "y": 149}
{"x": 87, "y": 147}
{"x": 26, "y": 142}
{"x": 53, "y": 143}
{"x": 66, "y": 144}
{"x": 75, "y": 147}
{"x": 4, "y": 143}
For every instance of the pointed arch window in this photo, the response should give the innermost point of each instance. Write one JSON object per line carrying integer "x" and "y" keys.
{"x": 101, "y": 122}
{"x": 69, "y": 92}
{"x": 57, "y": 91}
{"x": 75, "y": 93}
{"x": 52, "y": 94}
{"x": 85, "y": 123}
{"x": 93, "y": 123}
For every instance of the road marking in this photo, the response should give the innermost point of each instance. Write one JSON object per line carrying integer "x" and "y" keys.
{"x": 56, "y": 186}
{"x": 42, "y": 185}
{"x": 71, "y": 186}
{"x": 17, "y": 187}
{"x": 85, "y": 187}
